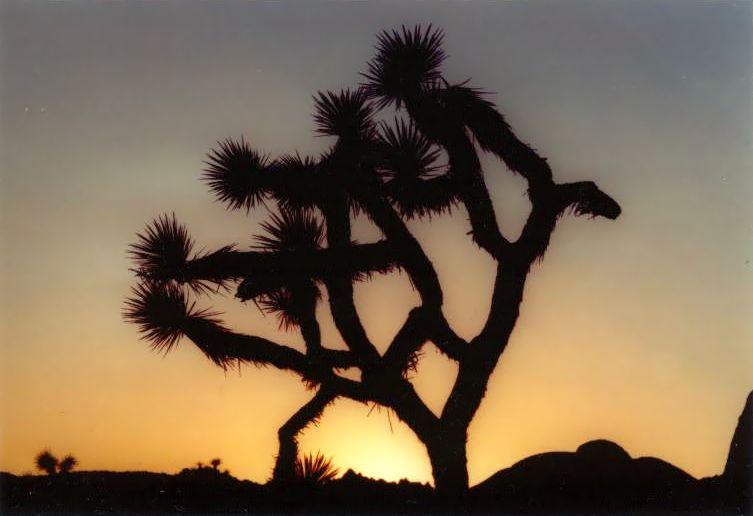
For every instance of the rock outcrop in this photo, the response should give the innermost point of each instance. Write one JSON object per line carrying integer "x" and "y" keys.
{"x": 737, "y": 478}
{"x": 599, "y": 477}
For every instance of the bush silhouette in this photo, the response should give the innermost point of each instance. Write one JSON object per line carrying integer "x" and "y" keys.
{"x": 67, "y": 464}
{"x": 392, "y": 172}
{"x": 46, "y": 462}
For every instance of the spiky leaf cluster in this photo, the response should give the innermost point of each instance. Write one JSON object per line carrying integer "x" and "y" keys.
{"x": 291, "y": 230}
{"x": 315, "y": 470}
{"x": 408, "y": 155}
{"x": 291, "y": 297}
{"x": 346, "y": 114}
{"x": 237, "y": 174}
{"x": 161, "y": 311}
{"x": 410, "y": 172}
{"x": 162, "y": 249}
{"x": 298, "y": 182}
{"x": 406, "y": 62}
{"x": 291, "y": 304}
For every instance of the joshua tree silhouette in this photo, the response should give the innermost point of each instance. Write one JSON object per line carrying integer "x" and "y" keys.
{"x": 46, "y": 462}
{"x": 391, "y": 172}
{"x": 67, "y": 464}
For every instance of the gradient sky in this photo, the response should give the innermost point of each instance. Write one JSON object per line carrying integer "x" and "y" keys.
{"x": 636, "y": 330}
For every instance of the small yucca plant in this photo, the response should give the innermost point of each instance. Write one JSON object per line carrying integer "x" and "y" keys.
{"x": 315, "y": 470}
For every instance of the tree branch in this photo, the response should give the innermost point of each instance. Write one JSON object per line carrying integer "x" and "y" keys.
{"x": 225, "y": 347}
{"x": 493, "y": 133}
{"x": 537, "y": 231}
{"x": 338, "y": 358}
{"x": 345, "y": 261}
{"x": 284, "y": 469}
{"x": 549, "y": 203}
{"x": 411, "y": 256}
{"x": 440, "y": 124}
{"x": 423, "y": 324}
{"x": 445, "y": 338}
{"x": 331, "y": 358}
{"x": 466, "y": 167}
{"x": 407, "y": 341}
{"x": 340, "y": 287}
{"x": 487, "y": 347}
{"x": 411, "y": 409}
{"x": 585, "y": 198}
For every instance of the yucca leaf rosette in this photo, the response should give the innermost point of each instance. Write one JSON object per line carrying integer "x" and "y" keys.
{"x": 406, "y": 62}
{"x": 413, "y": 179}
{"x": 162, "y": 253}
{"x": 291, "y": 296}
{"x": 346, "y": 114}
{"x": 162, "y": 312}
{"x": 298, "y": 183}
{"x": 238, "y": 175}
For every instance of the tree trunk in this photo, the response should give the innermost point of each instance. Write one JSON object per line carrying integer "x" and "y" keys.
{"x": 287, "y": 453}
{"x": 485, "y": 350}
{"x": 449, "y": 464}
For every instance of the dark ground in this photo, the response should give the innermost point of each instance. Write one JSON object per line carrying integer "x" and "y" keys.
{"x": 552, "y": 483}
{"x": 598, "y": 478}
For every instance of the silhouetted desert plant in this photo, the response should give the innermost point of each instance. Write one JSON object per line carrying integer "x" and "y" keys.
{"x": 392, "y": 172}
{"x": 47, "y": 462}
{"x": 315, "y": 470}
{"x": 67, "y": 464}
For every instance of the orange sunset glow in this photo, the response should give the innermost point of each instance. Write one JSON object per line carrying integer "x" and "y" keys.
{"x": 635, "y": 330}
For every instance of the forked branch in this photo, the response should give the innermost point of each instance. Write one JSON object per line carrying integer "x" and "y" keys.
{"x": 284, "y": 469}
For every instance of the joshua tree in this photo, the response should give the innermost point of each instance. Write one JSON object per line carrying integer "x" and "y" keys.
{"x": 46, "y": 462}
{"x": 67, "y": 464}
{"x": 391, "y": 172}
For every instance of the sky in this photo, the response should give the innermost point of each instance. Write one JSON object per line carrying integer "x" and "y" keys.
{"x": 636, "y": 330}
